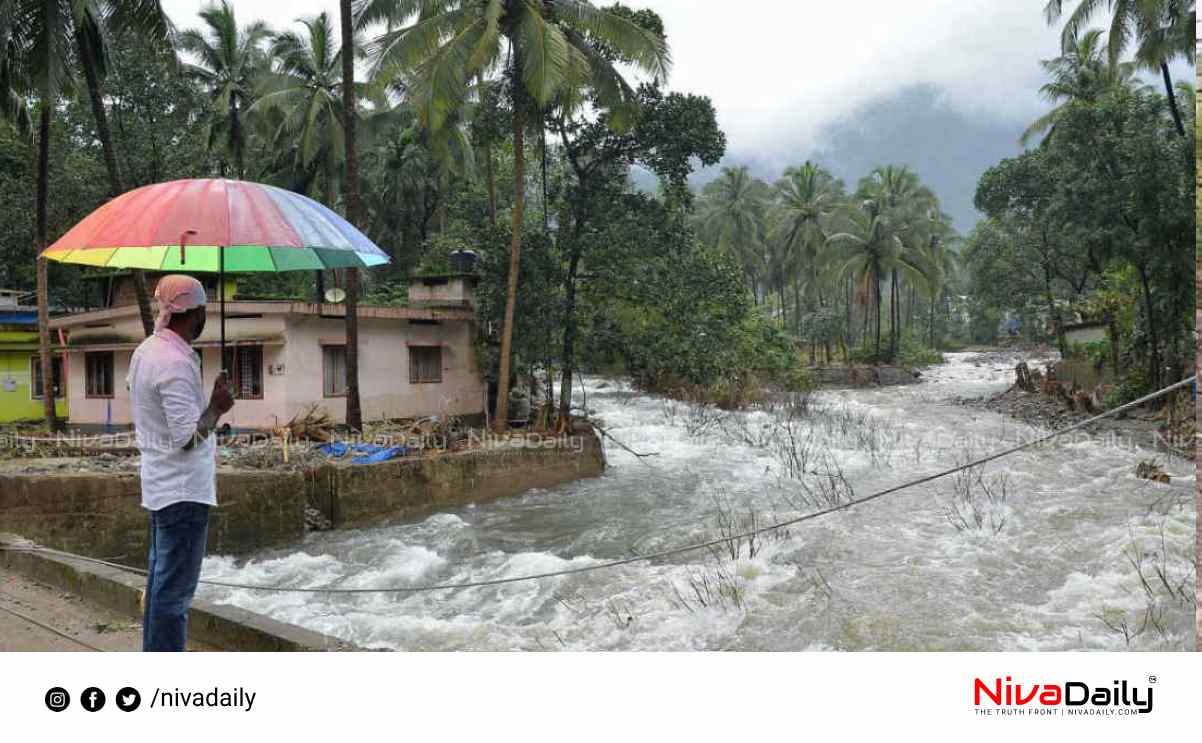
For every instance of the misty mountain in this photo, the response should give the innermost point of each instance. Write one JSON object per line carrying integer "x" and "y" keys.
{"x": 947, "y": 148}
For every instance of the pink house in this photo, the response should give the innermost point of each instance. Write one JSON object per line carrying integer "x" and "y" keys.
{"x": 284, "y": 356}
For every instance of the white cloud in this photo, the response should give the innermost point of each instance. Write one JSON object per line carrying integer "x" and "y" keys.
{"x": 779, "y": 71}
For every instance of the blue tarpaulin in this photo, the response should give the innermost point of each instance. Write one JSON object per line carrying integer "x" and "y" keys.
{"x": 370, "y": 453}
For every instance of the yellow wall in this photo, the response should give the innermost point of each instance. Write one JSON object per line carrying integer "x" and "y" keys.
{"x": 16, "y": 403}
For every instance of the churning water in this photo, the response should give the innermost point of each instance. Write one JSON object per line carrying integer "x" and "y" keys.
{"x": 1054, "y": 548}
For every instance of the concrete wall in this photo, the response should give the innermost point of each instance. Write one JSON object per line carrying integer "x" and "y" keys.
{"x": 267, "y": 412}
{"x": 1089, "y": 334}
{"x": 457, "y": 290}
{"x": 412, "y": 488}
{"x": 17, "y": 403}
{"x": 101, "y": 515}
{"x": 86, "y": 409}
{"x": 1083, "y": 373}
{"x": 385, "y": 390}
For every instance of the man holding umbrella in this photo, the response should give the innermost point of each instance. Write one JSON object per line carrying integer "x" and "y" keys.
{"x": 174, "y": 429}
{"x": 211, "y": 225}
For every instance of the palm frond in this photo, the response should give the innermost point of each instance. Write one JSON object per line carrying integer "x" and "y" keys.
{"x": 544, "y": 54}
{"x": 440, "y": 85}
{"x": 646, "y": 49}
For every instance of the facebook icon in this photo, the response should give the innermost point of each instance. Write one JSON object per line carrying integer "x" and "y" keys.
{"x": 92, "y": 699}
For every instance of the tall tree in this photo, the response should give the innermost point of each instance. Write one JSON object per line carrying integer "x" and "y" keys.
{"x": 40, "y": 56}
{"x": 732, "y": 215}
{"x": 488, "y": 125}
{"x": 1081, "y": 73}
{"x": 807, "y": 197}
{"x": 1162, "y": 31}
{"x": 14, "y": 82}
{"x": 354, "y": 410}
{"x": 548, "y": 52}
{"x": 96, "y": 22}
{"x": 305, "y": 90}
{"x": 231, "y": 61}
{"x": 897, "y": 194}
{"x": 868, "y": 246}
{"x": 671, "y": 133}
{"x": 933, "y": 263}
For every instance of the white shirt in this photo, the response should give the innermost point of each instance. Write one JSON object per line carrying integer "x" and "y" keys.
{"x": 167, "y": 400}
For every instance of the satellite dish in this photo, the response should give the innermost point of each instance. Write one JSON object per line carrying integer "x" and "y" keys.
{"x": 335, "y": 295}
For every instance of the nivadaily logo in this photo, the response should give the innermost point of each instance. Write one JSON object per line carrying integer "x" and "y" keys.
{"x": 1066, "y": 698}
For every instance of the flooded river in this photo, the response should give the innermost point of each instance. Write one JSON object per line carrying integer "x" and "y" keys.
{"x": 1053, "y": 548}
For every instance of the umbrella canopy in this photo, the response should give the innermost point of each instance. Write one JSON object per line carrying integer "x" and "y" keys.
{"x": 248, "y": 226}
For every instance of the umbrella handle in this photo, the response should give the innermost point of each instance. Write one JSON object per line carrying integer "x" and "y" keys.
{"x": 183, "y": 240}
{"x": 221, "y": 298}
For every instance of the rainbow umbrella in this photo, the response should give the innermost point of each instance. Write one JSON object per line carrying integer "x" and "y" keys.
{"x": 216, "y": 225}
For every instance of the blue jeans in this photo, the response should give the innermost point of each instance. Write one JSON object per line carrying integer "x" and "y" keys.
{"x": 177, "y": 547}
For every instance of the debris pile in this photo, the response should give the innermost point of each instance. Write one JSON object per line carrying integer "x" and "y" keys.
{"x": 315, "y": 424}
{"x": 1149, "y": 469}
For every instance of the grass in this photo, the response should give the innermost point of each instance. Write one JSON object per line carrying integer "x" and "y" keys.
{"x": 977, "y": 503}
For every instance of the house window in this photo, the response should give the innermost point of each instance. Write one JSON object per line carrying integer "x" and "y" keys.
{"x": 56, "y": 376}
{"x": 98, "y": 368}
{"x": 245, "y": 366}
{"x": 425, "y": 364}
{"x": 333, "y": 364}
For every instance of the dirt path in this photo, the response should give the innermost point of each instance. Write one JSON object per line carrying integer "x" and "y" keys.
{"x": 38, "y": 618}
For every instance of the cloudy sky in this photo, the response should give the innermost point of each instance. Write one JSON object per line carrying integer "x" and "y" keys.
{"x": 944, "y": 86}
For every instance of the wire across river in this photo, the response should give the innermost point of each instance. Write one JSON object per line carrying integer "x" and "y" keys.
{"x": 662, "y": 554}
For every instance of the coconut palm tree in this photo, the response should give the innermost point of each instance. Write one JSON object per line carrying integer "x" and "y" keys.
{"x": 932, "y": 263}
{"x": 303, "y": 98}
{"x": 806, "y": 198}
{"x": 39, "y": 57}
{"x": 732, "y": 215}
{"x": 96, "y": 23}
{"x": 868, "y": 245}
{"x": 549, "y": 51}
{"x": 899, "y": 195}
{"x": 305, "y": 89}
{"x": 1162, "y": 31}
{"x": 350, "y": 190}
{"x": 1081, "y": 74}
{"x": 231, "y": 62}
{"x": 14, "y": 84}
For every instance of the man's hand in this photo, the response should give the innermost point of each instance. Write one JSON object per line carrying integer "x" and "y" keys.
{"x": 220, "y": 403}
{"x": 222, "y": 399}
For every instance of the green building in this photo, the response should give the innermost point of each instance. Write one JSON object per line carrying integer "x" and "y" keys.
{"x": 20, "y": 373}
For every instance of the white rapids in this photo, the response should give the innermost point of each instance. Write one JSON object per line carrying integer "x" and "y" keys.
{"x": 1079, "y": 554}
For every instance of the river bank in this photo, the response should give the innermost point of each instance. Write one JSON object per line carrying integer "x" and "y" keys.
{"x": 1155, "y": 429}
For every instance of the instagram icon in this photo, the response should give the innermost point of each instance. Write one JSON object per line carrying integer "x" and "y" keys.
{"x": 57, "y": 699}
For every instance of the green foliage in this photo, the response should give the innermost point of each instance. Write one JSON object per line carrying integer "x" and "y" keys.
{"x": 77, "y": 178}
{"x": 1097, "y": 352}
{"x": 912, "y": 352}
{"x": 823, "y": 325}
{"x": 690, "y": 321}
{"x": 294, "y": 286}
{"x": 437, "y": 249}
{"x": 1098, "y": 217}
{"x": 538, "y": 318}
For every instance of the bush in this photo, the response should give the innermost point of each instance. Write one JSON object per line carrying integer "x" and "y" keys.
{"x": 912, "y": 351}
